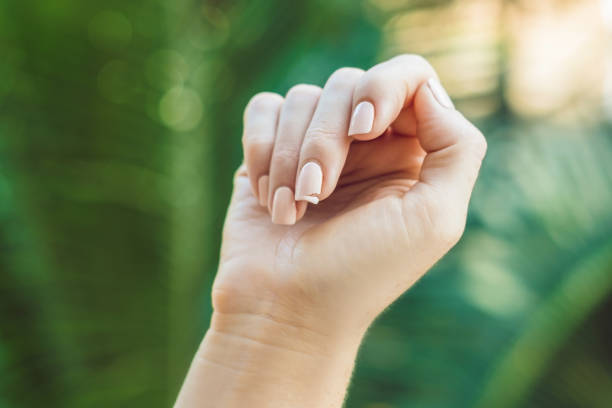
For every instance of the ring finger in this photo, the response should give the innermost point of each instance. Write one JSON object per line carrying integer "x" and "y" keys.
{"x": 295, "y": 116}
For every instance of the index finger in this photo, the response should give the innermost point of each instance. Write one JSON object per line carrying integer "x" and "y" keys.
{"x": 384, "y": 91}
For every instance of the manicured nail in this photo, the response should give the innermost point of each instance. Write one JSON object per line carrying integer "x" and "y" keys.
{"x": 440, "y": 93}
{"x": 283, "y": 207}
{"x": 362, "y": 119}
{"x": 262, "y": 187}
{"x": 309, "y": 183}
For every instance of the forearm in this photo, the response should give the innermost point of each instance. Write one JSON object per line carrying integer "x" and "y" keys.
{"x": 254, "y": 361}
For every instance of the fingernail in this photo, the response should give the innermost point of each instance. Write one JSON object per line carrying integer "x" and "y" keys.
{"x": 440, "y": 93}
{"x": 262, "y": 187}
{"x": 283, "y": 207}
{"x": 309, "y": 183}
{"x": 362, "y": 119}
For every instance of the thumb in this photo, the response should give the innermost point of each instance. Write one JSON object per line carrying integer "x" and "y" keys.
{"x": 455, "y": 149}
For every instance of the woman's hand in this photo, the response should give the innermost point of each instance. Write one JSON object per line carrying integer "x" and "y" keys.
{"x": 393, "y": 188}
{"x": 348, "y": 195}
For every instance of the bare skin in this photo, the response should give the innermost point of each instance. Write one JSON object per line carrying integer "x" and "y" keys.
{"x": 299, "y": 283}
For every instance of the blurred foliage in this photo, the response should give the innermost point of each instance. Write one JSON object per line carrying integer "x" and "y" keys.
{"x": 119, "y": 133}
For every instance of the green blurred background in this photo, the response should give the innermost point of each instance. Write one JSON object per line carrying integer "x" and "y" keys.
{"x": 120, "y": 127}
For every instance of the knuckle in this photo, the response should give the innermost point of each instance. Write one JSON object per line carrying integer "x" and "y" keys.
{"x": 373, "y": 80}
{"x": 413, "y": 63}
{"x": 413, "y": 59}
{"x": 317, "y": 145}
{"x": 319, "y": 134}
{"x": 344, "y": 77}
{"x": 302, "y": 90}
{"x": 264, "y": 101}
{"x": 285, "y": 154}
{"x": 256, "y": 147}
{"x": 475, "y": 142}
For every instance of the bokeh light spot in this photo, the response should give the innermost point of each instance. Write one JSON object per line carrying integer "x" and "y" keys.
{"x": 180, "y": 109}
{"x": 166, "y": 69}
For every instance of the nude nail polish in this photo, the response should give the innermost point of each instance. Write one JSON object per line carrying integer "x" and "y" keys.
{"x": 440, "y": 93}
{"x": 283, "y": 207}
{"x": 309, "y": 183}
{"x": 362, "y": 119}
{"x": 262, "y": 187}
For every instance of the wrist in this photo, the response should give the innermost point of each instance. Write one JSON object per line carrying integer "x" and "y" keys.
{"x": 313, "y": 319}
{"x": 282, "y": 334}
{"x": 256, "y": 361}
